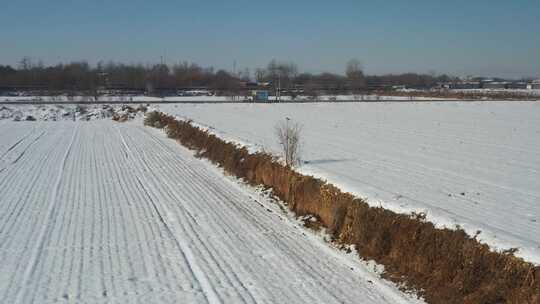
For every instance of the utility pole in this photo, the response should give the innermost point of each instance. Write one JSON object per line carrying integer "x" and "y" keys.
{"x": 279, "y": 88}
{"x": 160, "y": 77}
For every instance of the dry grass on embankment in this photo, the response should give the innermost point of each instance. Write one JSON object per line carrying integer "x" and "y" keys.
{"x": 444, "y": 266}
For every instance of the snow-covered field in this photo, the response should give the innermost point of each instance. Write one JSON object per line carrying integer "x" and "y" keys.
{"x": 472, "y": 164}
{"x": 101, "y": 212}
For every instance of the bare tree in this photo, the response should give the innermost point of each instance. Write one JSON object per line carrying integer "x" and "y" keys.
{"x": 354, "y": 67}
{"x": 311, "y": 91}
{"x": 26, "y": 63}
{"x": 355, "y": 75}
{"x": 288, "y": 134}
{"x": 245, "y": 75}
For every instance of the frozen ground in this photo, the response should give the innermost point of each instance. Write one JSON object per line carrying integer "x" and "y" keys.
{"x": 101, "y": 212}
{"x": 472, "y": 164}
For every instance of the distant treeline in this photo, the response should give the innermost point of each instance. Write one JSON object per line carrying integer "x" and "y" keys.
{"x": 83, "y": 77}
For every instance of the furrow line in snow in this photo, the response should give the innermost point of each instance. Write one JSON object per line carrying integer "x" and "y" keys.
{"x": 221, "y": 193}
{"x": 232, "y": 210}
{"x": 196, "y": 189}
{"x": 22, "y": 215}
{"x": 184, "y": 247}
{"x": 150, "y": 216}
{"x": 226, "y": 269}
{"x": 42, "y": 233}
{"x": 292, "y": 250}
{"x": 86, "y": 227}
{"x": 20, "y": 189}
{"x": 172, "y": 196}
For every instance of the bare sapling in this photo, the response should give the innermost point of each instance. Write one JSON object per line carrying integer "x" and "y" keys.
{"x": 288, "y": 134}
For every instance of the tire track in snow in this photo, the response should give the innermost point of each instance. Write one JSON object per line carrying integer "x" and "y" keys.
{"x": 16, "y": 144}
{"x": 21, "y": 154}
{"x": 26, "y": 149}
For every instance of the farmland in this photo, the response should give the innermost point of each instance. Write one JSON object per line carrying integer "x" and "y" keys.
{"x": 473, "y": 165}
{"x": 93, "y": 210}
{"x": 101, "y": 212}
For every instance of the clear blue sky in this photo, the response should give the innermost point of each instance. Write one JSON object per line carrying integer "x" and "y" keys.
{"x": 475, "y": 37}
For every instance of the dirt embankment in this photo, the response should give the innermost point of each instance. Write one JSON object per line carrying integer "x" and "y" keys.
{"x": 445, "y": 266}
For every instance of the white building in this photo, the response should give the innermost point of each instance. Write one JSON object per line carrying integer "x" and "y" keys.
{"x": 535, "y": 85}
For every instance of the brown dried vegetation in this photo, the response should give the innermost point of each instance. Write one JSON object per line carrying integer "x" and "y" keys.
{"x": 444, "y": 266}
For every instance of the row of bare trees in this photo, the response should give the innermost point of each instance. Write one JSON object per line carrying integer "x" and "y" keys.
{"x": 81, "y": 76}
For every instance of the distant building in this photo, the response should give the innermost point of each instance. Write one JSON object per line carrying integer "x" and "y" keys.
{"x": 495, "y": 85}
{"x": 535, "y": 85}
{"x": 261, "y": 95}
{"x": 194, "y": 92}
{"x": 165, "y": 92}
{"x": 517, "y": 85}
{"x": 470, "y": 85}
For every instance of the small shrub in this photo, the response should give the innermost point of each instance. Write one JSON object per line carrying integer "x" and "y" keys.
{"x": 288, "y": 135}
